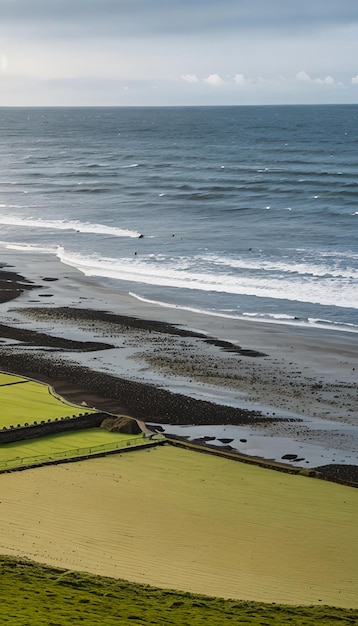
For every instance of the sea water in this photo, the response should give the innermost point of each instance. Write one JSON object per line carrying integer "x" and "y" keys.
{"x": 238, "y": 211}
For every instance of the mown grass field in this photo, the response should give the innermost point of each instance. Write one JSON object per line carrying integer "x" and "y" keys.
{"x": 24, "y": 401}
{"x": 178, "y": 519}
{"x": 63, "y": 445}
{"x": 6, "y": 379}
{"x": 35, "y": 595}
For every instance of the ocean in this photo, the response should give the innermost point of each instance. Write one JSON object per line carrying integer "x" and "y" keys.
{"x": 236, "y": 211}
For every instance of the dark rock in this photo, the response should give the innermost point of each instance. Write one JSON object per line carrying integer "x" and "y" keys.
{"x": 122, "y": 424}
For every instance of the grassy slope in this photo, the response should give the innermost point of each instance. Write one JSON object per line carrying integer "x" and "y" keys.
{"x": 31, "y": 401}
{"x": 62, "y": 444}
{"x": 32, "y": 594}
{"x": 6, "y": 379}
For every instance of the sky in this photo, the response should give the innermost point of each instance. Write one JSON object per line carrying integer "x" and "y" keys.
{"x": 178, "y": 52}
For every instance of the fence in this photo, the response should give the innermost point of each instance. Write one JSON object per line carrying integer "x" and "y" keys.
{"x": 73, "y": 453}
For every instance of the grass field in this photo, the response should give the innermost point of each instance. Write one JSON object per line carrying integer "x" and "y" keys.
{"x": 10, "y": 379}
{"x": 36, "y": 596}
{"x": 179, "y": 519}
{"x": 24, "y": 401}
{"x": 63, "y": 445}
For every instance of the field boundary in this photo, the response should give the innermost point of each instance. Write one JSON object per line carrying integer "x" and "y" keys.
{"x": 259, "y": 462}
{"x": 236, "y": 456}
{"x": 11, "y": 434}
{"x": 78, "y": 454}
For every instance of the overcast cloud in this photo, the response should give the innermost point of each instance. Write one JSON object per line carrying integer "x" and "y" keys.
{"x": 152, "y": 52}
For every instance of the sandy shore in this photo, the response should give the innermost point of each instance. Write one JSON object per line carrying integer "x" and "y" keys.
{"x": 173, "y": 367}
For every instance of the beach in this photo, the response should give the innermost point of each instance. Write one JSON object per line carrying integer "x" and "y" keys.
{"x": 166, "y": 515}
{"x": 290, "y": 390}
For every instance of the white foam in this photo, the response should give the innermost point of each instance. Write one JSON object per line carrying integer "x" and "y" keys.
{"x": 332, "y": 254}
{"x": 12, "y": 206}
{"x": 181, "y": 273}
{"x": 146, "y": 271}
{"x": 269, "y": 318}
{"x": 28, "y": 247}
{"x": 169, "y": 305}
{"x": 71, "y": 225}
{"x": 289, "y": 267}
{"x": 274, "y": 316}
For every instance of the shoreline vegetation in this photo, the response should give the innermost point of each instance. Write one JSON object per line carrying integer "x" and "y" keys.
{"x": 36, "y": 343}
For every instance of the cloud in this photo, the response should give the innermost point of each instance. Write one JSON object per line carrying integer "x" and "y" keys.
{"x": 325, "y": 81}
{"x": 213, "y": 79}
{"x": 4, "y": 62}
{"x": 190, "y": 78}
{"x": 134, "y": 41}
{"x": 240, "y": 79}
{"x": 126, "y": 18}
{"x": 303, "y": 76}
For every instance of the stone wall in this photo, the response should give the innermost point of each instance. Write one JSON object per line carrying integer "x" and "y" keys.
{"x": 50, "y": 427}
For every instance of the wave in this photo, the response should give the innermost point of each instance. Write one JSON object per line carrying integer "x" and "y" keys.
{"x": 338, "y": 325}
{"x": 181, "y": 273}
{"x": 345, "y": 255}
{"x": 301, "y": 268}
{"x": 269, "y": 318}
{"x": 28, "y": 247}
{"x": 71, "y": 225}
{"x": 177, "y": 273}
{"x": 89, "y": 190}
{"x": 13, "y": 206}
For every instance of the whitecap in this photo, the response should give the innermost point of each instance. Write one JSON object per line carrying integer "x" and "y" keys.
{"x": 183, "y": 273}
{"x": 70, "y": 225}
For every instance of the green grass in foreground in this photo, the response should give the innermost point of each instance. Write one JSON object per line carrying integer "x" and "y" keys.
{"x": 63, "y": 445}
{"x": 33, "y": 595}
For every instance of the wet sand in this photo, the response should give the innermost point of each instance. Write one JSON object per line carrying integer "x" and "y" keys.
{"x": 170, "y": 366}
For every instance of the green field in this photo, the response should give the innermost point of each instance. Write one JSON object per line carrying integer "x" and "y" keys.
{"x": 63, "y": 445}
{"x": 178, "y": 519}
{"x": 173, "y": 518}
{"x": 8, "y": 379}
{"x": 32, "y": 595}
{"x": 25, "y": 402}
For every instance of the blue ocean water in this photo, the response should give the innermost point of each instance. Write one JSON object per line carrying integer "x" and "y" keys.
{"x": 240, "y": 211}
